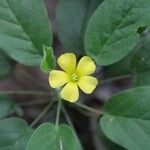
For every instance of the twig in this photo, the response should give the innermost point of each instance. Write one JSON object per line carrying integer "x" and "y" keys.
{"x": 41, "y": 93}
{"x": 115, "y": 78}
{"x": 58, "y": 113}
{"x": 35, "y": 102}
{"x": 41, "y": 114}
{"x": 68, "y": 119}
{"x": 32, "y": 78}
{"x": 89, "y": 108}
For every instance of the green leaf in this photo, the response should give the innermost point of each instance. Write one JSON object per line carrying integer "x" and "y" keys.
{"x": 24, "y": 28}
{"x": 140, "y": 64}
{"x": 141, "y": 60}
{"x": 6, "y": 65}
{"x": 14, "y": 134}
{"x": 136, "y": 62}
{"x": 7, "y": 106}
{"x": 48, "y": 61}
{"x": 71, "y": 18}
{"x": 51, "y": 138}
{"x": 141, "y": 79}
{"x": 112, "y": 30}
{"x": 127, "y": 118}
{"x": 106, "y": 144}
{"x": 123, "y": 67}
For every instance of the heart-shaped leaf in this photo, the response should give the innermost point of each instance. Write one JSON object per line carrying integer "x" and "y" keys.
{"x": 127, "y": 119}
{"x": 14, "y": 134}
{"x": 48, "y": 137}
{"x": 24, "y": 28}
{"x": 7, "y": 105}
{"x": 112, "y": 32}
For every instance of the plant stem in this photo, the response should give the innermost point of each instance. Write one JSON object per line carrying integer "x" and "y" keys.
{"x": 35, "y": 102}
{"x": 41, "y": 114}
{"x": 46, "y": 93}
{"x": 32, "y": 78}
{"x": 115, "y": 78}
{"x": 68, "y": 119}
{"x": 58, "y": 113}
{"x": 42, "y": 93}
{"x": 89, "y": 108}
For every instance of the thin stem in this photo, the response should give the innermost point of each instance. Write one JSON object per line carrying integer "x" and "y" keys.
{"x": 41, "y": 114}
{"x": 42, "y": 93}
{"x": 35, "y": 102}
{"x": 115, "y": 78}
{"x": 58, "y": 112}
{"x": 68, "y": 119}
{"x": 89, "y": 108}
{"x": 32, "y": 78}
{"x": 45, "y": 93}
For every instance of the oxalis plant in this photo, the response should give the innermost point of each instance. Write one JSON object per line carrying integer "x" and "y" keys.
{"x": 98, "y": 37}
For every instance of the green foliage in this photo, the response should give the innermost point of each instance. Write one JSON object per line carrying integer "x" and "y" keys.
{"x": 123, "y": 67}
{"x": 141, "y": 60}
{"x": 24, "y": 27}
{"x": 48, "y": 137}
{"x": 72, "y": 17}
{"x": 6, "y": 65}
{"x": 48, "y": 61}
{"x": 136, "y": 63}
{"x": 14, "y": 134}
{"x": 141, "y": 78}
{"x": 127, "y": 118}
{"x": 7, "y": 105}
{"x": 140, "y": 64}
{"x": 108, "y": 144}
{"x": 112, "y": 31}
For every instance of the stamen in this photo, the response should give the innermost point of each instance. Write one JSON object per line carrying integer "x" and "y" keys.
{"x": 74, "y": 77}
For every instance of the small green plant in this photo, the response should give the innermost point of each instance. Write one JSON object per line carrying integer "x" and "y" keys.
{"x": 111, "y": 34}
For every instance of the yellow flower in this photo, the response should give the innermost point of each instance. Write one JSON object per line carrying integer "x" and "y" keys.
{"x": 74, "y": 76}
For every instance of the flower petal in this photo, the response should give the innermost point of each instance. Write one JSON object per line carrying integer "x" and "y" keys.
{"x": 85, "y": 66}
{"x": 67, "y": 62}
{"x": 70, "y": 92}
{"x": 58, "y": 78}
{"x": 87, "y": 84}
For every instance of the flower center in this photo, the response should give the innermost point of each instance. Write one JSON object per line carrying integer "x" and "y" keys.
{"x": 74, "y": 77}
